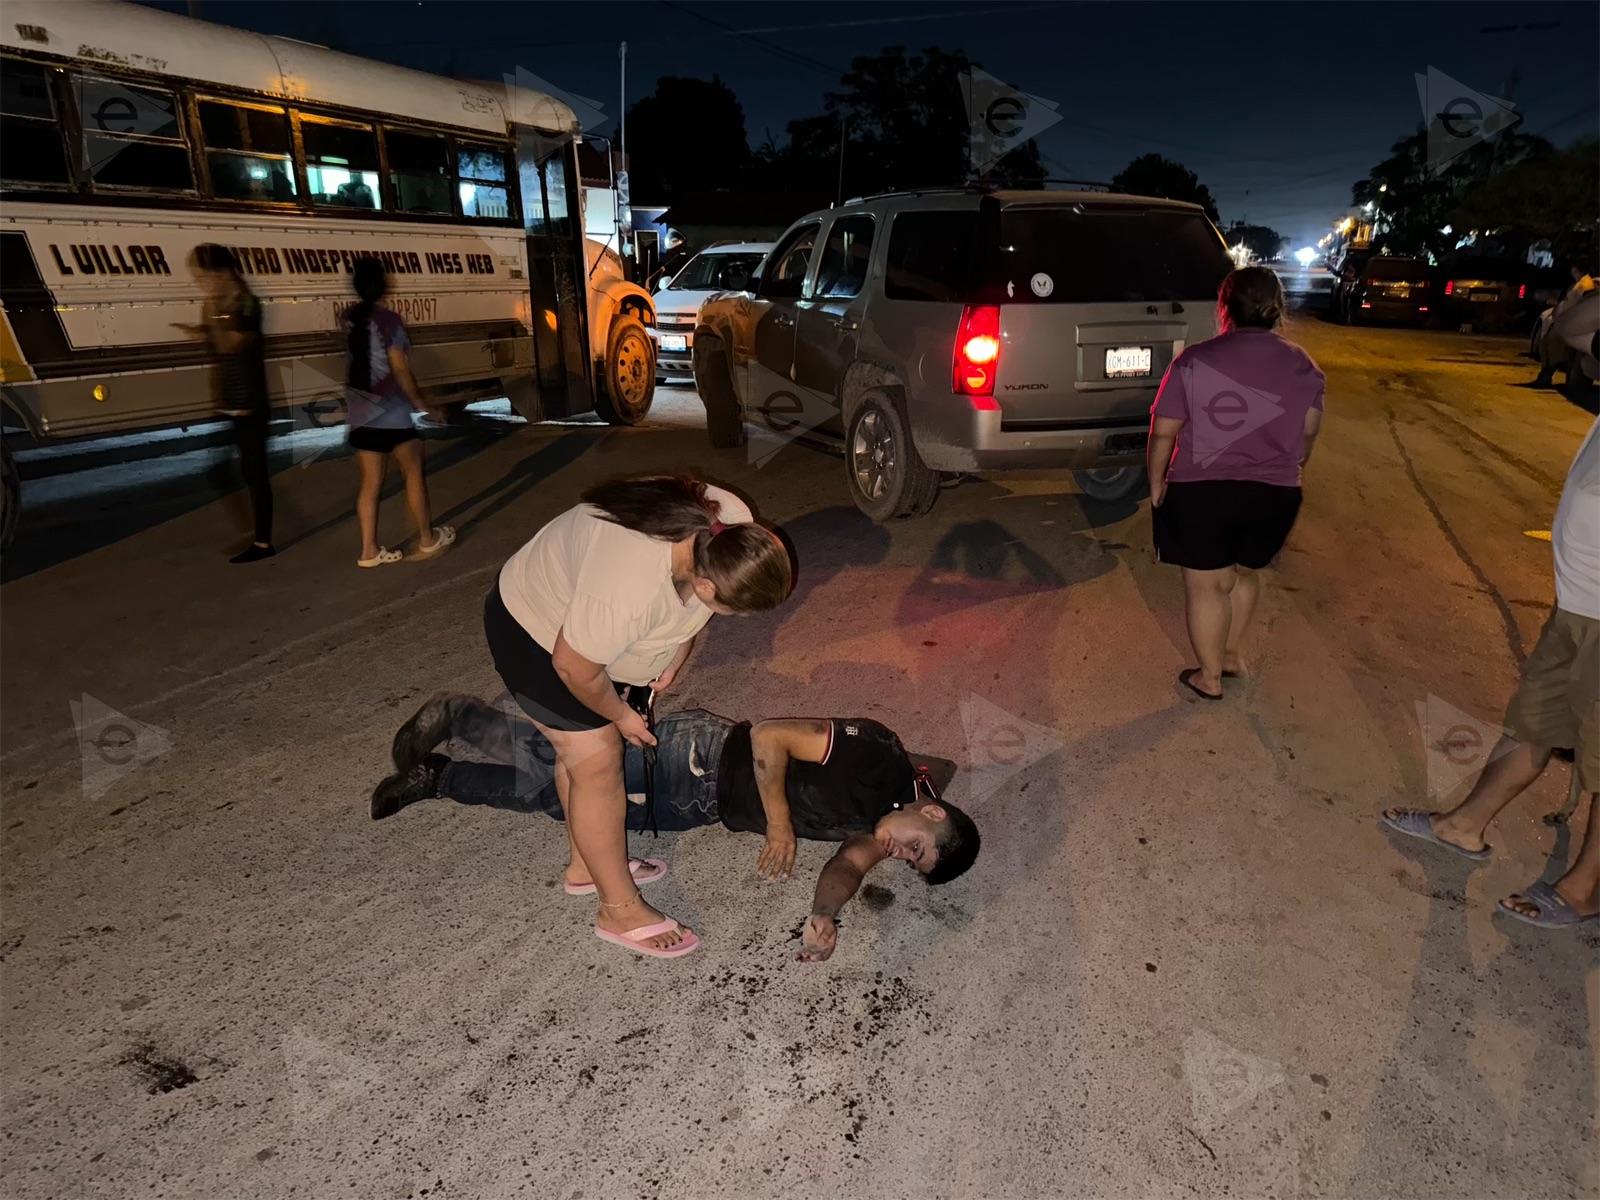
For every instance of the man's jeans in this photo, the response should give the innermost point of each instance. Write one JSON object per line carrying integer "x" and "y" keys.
{"x": 519, "y": 773}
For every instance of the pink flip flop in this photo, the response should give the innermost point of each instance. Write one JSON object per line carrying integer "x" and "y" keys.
{"x": 634, "y": 939}
{"x": 643, "y": 870}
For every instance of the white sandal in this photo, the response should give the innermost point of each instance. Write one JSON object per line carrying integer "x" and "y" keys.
{"x": 443, "y": 536}
{"x": 383, "y": 558}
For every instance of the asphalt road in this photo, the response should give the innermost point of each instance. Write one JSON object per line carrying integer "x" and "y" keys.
{"x": 1188, "y": 961}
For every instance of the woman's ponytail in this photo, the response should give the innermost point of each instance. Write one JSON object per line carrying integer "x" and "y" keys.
{"x": 372, "y": 284}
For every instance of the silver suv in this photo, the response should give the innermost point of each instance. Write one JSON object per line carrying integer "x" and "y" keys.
{"x": 964, "y": 330}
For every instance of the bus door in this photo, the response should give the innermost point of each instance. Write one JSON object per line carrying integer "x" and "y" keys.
{"x": 557, "y": 280}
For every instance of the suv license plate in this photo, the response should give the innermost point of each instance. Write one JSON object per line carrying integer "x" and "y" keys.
{"x": 674, "y": 341}
{"x": 1127, "y": 362}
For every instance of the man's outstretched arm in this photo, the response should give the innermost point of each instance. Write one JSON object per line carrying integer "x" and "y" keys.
{"x": 840, "y": 880}
{"x": 772, "y": 745}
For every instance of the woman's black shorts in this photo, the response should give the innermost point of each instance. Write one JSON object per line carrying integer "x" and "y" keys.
{"x": 1214, "y": 523}
{"x": 367, "y": 437}
{"x": 530, "y": 675}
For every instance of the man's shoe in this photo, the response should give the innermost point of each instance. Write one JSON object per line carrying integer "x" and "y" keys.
{"x": 428, "y": 726}
{"x": 421, "y": 782}
{"x": 1547, "y": 378}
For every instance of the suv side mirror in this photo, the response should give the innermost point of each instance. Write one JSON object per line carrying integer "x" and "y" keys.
{"x": 752, "y": 281}
{"x": 739, "y": 281}
{"x": 661, "y": 284}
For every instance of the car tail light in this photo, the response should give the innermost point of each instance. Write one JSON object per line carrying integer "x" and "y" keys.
{"x": 977, "y": 350}
{"x": 1366, "y": 304}
{"x": 1450, "y": 287}
{"x": 1522, "y": 291}
{"x": 1422, "y": 308}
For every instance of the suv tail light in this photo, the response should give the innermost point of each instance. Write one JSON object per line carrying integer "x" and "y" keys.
{"x": 1522, "y": 291}
{"x": 977, "y": 355}
{"x": 1450, "y": 287}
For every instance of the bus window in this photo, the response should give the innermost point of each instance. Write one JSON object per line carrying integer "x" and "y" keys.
{"x": 28, "y": 126}
{"x": 482, "y": 173}
{"x": 419, "y": 169}
{"x": 132, "y": 136}
{"x": 247, "y": 151}
{"x": 341, "y": 163}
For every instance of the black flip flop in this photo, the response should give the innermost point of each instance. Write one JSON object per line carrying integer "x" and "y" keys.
{"x": 1187, "y": 679}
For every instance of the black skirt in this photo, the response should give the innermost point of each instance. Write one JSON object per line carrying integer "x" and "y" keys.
{"x": 380, "y": 441}
{"x": 1210, "y": 524}
{"x": 529, "y": 673}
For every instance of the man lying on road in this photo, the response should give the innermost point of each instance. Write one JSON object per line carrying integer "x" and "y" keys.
{"x": 846, "y": 780}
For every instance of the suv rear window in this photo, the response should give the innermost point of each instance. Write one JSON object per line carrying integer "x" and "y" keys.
{"x": 1084, "y": 256}
{"x": 930, "y": 256}
{"x": 1396, "y": 268}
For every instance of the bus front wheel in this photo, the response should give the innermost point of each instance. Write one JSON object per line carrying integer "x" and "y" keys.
{"x": 628, "y": 375}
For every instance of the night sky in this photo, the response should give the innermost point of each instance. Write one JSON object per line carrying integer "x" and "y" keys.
{"x": 1278, "y": 107}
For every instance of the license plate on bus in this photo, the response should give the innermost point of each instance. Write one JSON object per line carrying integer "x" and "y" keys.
{"x": 1127, "y": 362}
{"x": 674, "y": 341}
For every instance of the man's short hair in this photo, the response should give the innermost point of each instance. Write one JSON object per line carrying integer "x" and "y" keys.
{"x": 958, "y": 845}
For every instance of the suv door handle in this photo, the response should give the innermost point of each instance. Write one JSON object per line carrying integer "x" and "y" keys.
{"x": 782, "y": 319}
{"x": 844, "y": 323}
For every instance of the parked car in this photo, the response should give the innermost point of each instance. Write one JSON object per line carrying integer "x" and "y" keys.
{"x": 960, "y": 330}
{"x": 1381, "y": 287}
{"x": 718, "y": 268}
{"x": 1478, "y": 290}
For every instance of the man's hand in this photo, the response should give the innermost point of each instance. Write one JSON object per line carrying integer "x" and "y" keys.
{"x": 633, "y": 729}
{"x": 1158, "y": 491}
{"x": 777, "y": 855}
{"x": 821, "y": 935}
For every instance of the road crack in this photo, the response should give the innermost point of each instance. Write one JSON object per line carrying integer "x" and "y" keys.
{"x": 1507, "y": 619}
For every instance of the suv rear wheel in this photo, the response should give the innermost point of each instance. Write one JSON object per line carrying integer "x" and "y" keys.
{"x": 713, "y": 379}
{"x": 1108, "y": 483}
{"x": 887, "y": 476}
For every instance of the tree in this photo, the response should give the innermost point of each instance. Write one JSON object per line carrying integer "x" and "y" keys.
{"x": 1264, "y": 244}
{"x": 1152, "y": 175}
{"x": 1541, "y": 199}
{"x": 687, "y": 136}
{"x": 904, "y": 124}
{"x": 1412, "y": 195}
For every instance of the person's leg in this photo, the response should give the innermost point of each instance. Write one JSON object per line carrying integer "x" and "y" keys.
{"x": 1580, "y": 886}
{"x": 408, "y": 456}
{"x": 589, "y": 782}
{"x": 250, "y": 436}
{"x": 1241, "y": 607}
{"x": 1208, "y": 612}
{"x": 371, "y": 465}
{"x": 1513, "y": 766}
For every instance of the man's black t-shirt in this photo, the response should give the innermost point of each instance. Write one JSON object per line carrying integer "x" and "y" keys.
{"x": 242, "y": 377}
{"x": 862, "y": 776}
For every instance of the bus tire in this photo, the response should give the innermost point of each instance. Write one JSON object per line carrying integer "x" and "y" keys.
{"x": 628, "y": 375}
{"x": 10, "y": 497}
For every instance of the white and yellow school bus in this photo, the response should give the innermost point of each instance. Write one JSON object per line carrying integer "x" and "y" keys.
{"x": 129, "y": 135}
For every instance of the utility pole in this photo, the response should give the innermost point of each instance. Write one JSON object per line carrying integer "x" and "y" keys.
{"x": 839, "y": 195}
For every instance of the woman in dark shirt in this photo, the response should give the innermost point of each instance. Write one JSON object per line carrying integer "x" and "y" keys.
{"x": 1233, "y": 424}
{"x": 231, "y": 326}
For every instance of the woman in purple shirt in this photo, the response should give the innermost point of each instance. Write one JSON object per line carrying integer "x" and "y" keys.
{"x": 382, "y": 393}
{"x": 1232, "y": 425}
